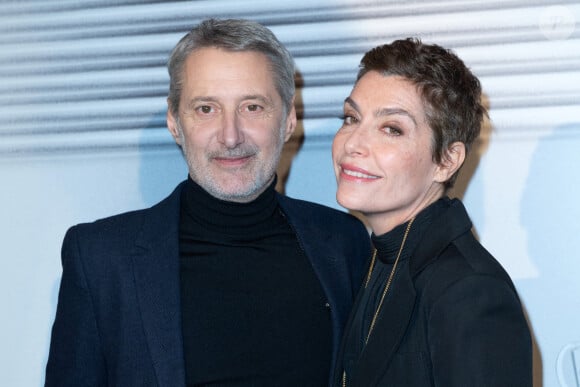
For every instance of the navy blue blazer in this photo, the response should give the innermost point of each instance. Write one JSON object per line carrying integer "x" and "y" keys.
{"x": 118, "y": 319}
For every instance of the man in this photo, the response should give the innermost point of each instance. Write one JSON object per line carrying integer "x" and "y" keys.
{"x": 225, "y": 282}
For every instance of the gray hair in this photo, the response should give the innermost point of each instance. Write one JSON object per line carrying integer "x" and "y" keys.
{"x": 232, "y": 35}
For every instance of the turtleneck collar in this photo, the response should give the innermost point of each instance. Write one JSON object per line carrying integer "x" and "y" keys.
{"x": 222, "y": 216}
{"x": 388, "y": 244}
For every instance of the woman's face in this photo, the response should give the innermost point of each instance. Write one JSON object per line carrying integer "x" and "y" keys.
{"x": 382, "y": 154}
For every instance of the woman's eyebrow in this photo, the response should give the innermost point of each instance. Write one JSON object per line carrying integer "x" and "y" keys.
{"x": 351, "y": 102}
{"x": 395, "y": 111}
{"x": 383, "y": 111}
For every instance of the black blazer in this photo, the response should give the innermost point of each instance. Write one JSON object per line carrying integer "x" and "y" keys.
{"x": 118, "y": 317}
{"x": 452, "y": 318}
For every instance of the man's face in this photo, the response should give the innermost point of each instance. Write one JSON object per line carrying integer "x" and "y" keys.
{"x": 231, "y": 122}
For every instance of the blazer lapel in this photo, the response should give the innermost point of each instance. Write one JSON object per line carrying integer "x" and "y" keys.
{"x": 388, "y": 331}
{"x": 157, "y": 280}
{"x": 320, "y": 248}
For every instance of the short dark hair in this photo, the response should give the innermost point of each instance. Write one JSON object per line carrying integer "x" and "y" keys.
{"x": 232, "y": 35}
{"x": 451, "y": 93}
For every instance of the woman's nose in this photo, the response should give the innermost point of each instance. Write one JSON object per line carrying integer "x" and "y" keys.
{"x": 356, "y": 141}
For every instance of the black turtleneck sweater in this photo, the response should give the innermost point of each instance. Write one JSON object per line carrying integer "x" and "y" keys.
{"x": 253, "y": 310}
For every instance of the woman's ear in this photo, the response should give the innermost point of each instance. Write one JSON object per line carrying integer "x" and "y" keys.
{"x": 452, "y": 160}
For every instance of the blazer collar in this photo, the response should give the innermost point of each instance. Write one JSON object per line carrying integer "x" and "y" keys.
{"x": 444, "y": 229}
{"x": 156, "y": 270}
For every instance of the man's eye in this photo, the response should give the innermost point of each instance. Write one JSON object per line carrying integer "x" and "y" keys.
{"x": 254, "y": 108}
{"x": 205, "y": 109}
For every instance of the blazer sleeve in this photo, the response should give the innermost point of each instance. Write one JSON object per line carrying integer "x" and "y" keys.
{"x": 75, "y": 356}
{"x": 478, "y": 335}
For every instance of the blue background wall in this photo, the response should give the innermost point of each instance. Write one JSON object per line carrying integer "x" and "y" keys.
{"x": 82, "y": 136}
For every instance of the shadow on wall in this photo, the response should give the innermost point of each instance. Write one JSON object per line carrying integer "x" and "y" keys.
{"x": 550, "y": 215}
{"x": 293, "y": 145}
{"x": 465, "y": 179}
{"x": 478, "y": 149}
{"x": 161, "y": 165}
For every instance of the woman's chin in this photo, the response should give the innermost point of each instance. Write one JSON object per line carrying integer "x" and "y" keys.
{"x": 351, "y": 203}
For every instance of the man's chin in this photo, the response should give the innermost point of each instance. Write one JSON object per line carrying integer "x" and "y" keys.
{"x": 234, "y": 187}
{"x": 236, "y": 192}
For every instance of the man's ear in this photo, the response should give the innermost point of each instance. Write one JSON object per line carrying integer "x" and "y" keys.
{"x": 452, "y": 160}
{"x": 291, "y": 122}
{"x": 172, "y": 124}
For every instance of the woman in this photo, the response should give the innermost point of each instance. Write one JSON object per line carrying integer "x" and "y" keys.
{"x": 436, "y": 308}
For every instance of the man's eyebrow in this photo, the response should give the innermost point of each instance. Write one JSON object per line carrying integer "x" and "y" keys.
{"x": 259, "y": 97}
{"x": 210, "y": 98}
{"x": 194, "y": 100}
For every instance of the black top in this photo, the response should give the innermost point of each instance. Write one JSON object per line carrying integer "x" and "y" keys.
{"x": 253, "y": 310}
{"x": 387, "y": 246}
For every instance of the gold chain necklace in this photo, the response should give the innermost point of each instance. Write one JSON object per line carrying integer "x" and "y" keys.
{"x": 385, "y": 290}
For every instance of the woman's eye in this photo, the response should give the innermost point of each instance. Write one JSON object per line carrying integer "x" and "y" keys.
{"x": 348, "y": 120}
{"x": 392, "y": 130}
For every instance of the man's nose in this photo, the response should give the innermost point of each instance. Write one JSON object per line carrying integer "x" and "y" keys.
{"x": 231, "y": 133}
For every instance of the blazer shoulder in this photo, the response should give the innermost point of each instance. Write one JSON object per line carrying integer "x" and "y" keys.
{"x": 464, "y": 259}
{"x": 477, "y": 258}
{"x": 449, "y": 250}
{"x": 331, "y": 218}
{"x": 116, "y": 230}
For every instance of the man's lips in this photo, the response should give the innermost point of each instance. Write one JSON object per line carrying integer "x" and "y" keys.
{"x": 354, "y": 173}
{"x": 232, "y": 161}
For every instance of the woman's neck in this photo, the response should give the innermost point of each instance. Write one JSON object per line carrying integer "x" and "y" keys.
{"x": 383, "y": 222}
